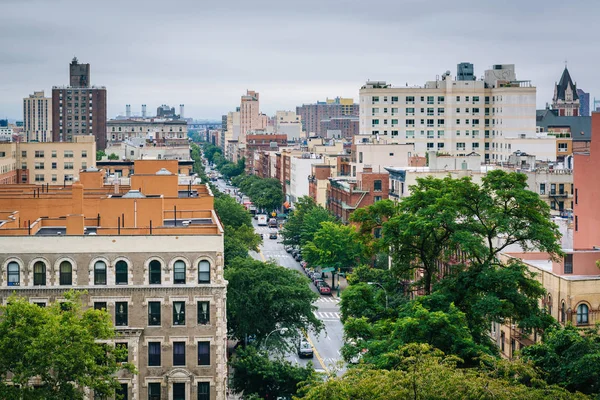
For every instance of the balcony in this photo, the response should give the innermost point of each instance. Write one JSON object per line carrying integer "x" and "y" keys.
{"x": 560, "y": 193}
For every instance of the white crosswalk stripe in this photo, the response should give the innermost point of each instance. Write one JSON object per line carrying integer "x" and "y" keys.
{"x": 327, "y": 315}
{"x": 328, "y": 300}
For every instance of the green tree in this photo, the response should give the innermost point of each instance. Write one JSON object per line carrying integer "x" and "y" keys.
{"x": 113, "y": 156}
{"x": 100, "y": 154}
{"x": 334, "y": 246}
{"x": 209, "y": 151}
{"x": 255, "y": 373}
{"x": 421, "y": 373}
{"x": 293, "y": 228}
{"x": 265, "y": 296}
{"x": 569, "y": 357}
{"x": 231, "y": 213}
{"x": 58, "y": 345}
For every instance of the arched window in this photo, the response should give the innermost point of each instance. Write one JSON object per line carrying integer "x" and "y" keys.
{"x": 100, "y": 273}
{"x": 155, "y": 272}
{"x": 179, "y": 272}
{"x": 14, "y": 274}
{"x": 66, "y": 273}
{"x": 582, "y": 314}
{"x": 121, "y": 273}
{"x": 562, "y": 313}
{"x": 39, "y": 273}
{"x": 204, "y": 272}
{"x": 550, "y": 304}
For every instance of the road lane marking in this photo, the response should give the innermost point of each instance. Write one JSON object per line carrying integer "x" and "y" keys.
{"x": 317, "y": 354}
{"x": 262, "y": 256}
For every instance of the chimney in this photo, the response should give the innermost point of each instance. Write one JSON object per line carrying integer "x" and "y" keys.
{"x": 143, "y": 111}
{"x": 181, "y": 106}
{"x": 77, "y": 197}
{"x": 128, "y": 110}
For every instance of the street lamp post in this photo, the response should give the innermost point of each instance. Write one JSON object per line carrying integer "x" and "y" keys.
{"x": 280, "y": 330}
{"x": 384, "y": 291}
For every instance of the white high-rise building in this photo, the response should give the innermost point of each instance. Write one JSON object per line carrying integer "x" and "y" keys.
{"x": 453, "y": 116}
{"x": 37, "y": 118}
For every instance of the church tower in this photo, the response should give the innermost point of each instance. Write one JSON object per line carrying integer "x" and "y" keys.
{"x": 566, "y": 99}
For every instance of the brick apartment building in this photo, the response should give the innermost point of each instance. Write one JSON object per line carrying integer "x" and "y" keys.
{"x": 312, "y": 114}
{"x": 261, "y": 143}
{"x": 79, "y": 109}
{"x": 344, "y": 195}
{"x": 348, "y": 127}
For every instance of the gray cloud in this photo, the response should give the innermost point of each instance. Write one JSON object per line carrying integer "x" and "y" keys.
{"x": 207, "y": 53}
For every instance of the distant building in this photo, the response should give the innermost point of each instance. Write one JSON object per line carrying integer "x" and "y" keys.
{"x": 566, "y": 99}
{"x": 584, "y": 103}
{"x": 37, "y": 118}
{"x": 465, "y": 72}
{"x": 288, "y": 123}
{"x": 340, "y": 127}
{"x": 311, "y": 115}
{"x": 79, "y": 109}
{"x": 159, "y": 131}
{"x": 164, "y": 111}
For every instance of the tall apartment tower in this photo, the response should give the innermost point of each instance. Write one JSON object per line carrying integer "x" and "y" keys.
{"x": 37, "y": 118}
{"x": 79, "y": 109}
{"x": 566, "y": 99}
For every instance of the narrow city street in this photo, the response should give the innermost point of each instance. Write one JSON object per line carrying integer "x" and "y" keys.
{"x": 326, "y": 345}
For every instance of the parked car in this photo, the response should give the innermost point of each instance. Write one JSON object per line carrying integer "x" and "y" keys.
{"x": 303, "y": 264}
{"x": 273, "y": 235}
{"x": 324, "y": 289}
{"x": 317, "y": 275}
{"x": 304, "y": 348}
{"x": 298, "y": 257}
{"x": 288, "y": 249}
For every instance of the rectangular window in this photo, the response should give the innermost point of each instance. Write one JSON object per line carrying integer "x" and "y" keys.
{"x": 125, "y": 357}
{"x": 410, "y": 134}
{"x": 430, "y": 99}
{"x": 83, "y": 153}
{"x": 394, "y": 122}
{"x": 179, "y": 313}
{"x": 377, "y": 185}
{"x": 203, "y": 312}
{"x": 440, "y": 111}
{"x": 440, "y": 134}
{"x": 39, "y": 154}
{"x": 475, "y": 99}
{"x": 430, "y": 145}
{"x": 204, "y": 388}
{"x": 440, "y": 145}
{"x": 460, "y": 146}
{"x": 154, "y": 354}
{"x": 123, "y": 392}
{"x": 569, "y": 263}
{"x": 203, "y": 353}
{"x": 410, "y": 99}
{"x": 375, "y": 111}
{"x": 542, "y": 188}
{"x": 410, "y": 123}
{"x": 178, "y": 353}
{"x": 154, "y": 391}
{"x": 204, "y": 272}
{"x": 39, "y": 178}
{"x": 441, "y": 99}
{"x": 53, "y": 153}
{"x": 375, "y": 99}
{"x": 430, "y": 135}
{"x": 562, "y": 147}
{"x": 68, "y": 154}
{"x": 53, "y": 165}
{"x": 68, "y": 165}
{"x": 430, "y": 111}
{"x": 394, "y": 99}
{"x": 121, "y": 315}
{"x": 100, "y": 305}
{"x": 430, "y": 123}
{"x": 154, "y": 313}
{"x": 179, "y": 391}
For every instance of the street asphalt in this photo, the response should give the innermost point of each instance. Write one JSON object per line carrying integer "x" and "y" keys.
{"x": 326, "y": 345}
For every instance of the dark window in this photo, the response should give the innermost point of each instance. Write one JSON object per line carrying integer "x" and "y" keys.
{"x": 203, "y": 390}
{"x": 203, "y": 312}
{"x": 100, "y": 305}
{"x": 155, "y": 272}
{"x": 125, "y": 356}
{"x": 178, "y": 353}
{"x": 179, "y": 391}
{"x": 576, "y": 223}
{"x": 123, "y": 392}
{"x": 563, "y": 313}
{"x": 377, "y": 185}
{"x": 576, "y": 196}
{"x": 582, "y": 314}
{"x": 154, "y": 313}
{"x": 40, "y": 304}
{"x": 121, "y": 273}
{"x": 154, "y": 391}
{"x": 178, "y": 313}
{"x": 121, "y": 317}
{"x": 203, "y": 353}
{"x": 502, "y": 340}
{"x": 179, "y": 272}
{"x": 14, "y": 274}
{"x": 100, "y": 273}
{"x": 154, "y": 354}
{"x": 204, "y": 272}
{"x": 568, "y": 263}
{"x": 39, "y": 274}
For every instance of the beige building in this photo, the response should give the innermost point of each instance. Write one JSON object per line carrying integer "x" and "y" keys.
{"x": 155, "y": 130}
{"x": 288, "y": 123}
{"x": 158, "y": 274}
{"x": 140, "y": 150}
{"x": 37, "y": 118}
{"x": 453, "y": 116}
{"x": 51, "y": 162}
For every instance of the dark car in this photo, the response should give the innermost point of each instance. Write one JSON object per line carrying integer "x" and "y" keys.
{"x": 273, "y": 235}
{"x": 298, "y": 256}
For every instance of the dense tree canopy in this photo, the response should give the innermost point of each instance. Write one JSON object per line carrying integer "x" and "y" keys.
{"x": 264, "y": 296}
{"x": 255, "y": 373}
{"x": 266, "y": 193}
{"x": 570, "y": 358}
{"x": 59, "y": 344}
{"x": 422, "y": 373}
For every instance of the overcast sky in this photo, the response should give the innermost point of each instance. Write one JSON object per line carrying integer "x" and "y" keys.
{"x": 205, "y": 54}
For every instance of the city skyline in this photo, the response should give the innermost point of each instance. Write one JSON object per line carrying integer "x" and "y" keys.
{"x": 291, "y": 54}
